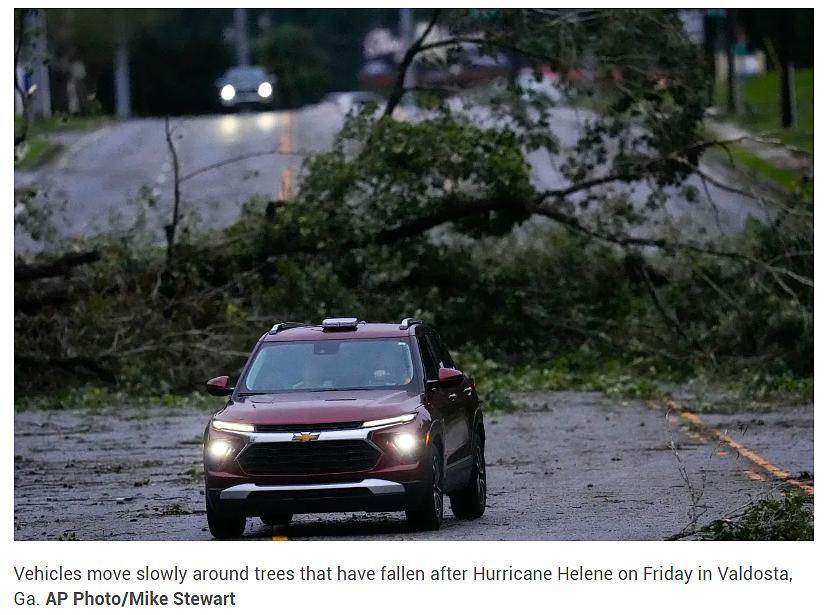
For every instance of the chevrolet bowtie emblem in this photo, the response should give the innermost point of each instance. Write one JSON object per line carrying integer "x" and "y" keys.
{"x": 305, "y": 437}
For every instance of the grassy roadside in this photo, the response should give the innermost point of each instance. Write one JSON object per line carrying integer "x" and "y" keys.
{"x": 60, "y": 123}
{"x": 35, "y": 152}
{"x": 761, "y": 101}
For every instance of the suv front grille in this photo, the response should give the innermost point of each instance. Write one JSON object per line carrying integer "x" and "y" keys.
{"x": 318, "y": 457}
{"x": 315, "y": 427}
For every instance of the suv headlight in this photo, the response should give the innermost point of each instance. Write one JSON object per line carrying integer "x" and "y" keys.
{"x": 265, "y": 90}
{"x": 406, "y": 442}
{"x": 227, "y": 426}
{"x": 219, "y": 449}
{"x": 227, "y": 92}
{"x": 396, "y": 420}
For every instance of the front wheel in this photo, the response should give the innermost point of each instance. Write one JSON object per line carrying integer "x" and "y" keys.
{"x": 222, "y": 526}
{"x": 470, "y": 502}
{"x": 430, "y": 511}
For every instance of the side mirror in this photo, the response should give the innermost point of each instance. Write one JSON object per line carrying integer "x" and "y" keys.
{"x": 446, "y": 377}
{"x": 219, "y": 386}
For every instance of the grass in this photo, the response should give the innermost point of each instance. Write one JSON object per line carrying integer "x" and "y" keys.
{"x": 761, "y": 101}
{"x": 783, "y": 177}
{"x": 61, "y": 122}
{"x": 35, "y": 152}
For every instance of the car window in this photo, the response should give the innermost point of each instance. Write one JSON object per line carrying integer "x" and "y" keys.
{"x": 442, "y": 357}
{"x": 246, "y": 74}
{"x": 330, "y": 365}
{"x": 428, "y": 359}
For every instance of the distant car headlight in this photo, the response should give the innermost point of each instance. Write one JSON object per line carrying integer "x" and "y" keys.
{"x": 265, "y": 90}
{"x": 227, "y": 426}
{"x": 227, "y": 92}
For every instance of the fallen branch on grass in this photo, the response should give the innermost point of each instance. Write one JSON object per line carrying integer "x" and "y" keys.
{"x": 62, "y": 265}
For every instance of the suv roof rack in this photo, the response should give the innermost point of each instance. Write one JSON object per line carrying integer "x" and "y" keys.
{"x": 409, "y": 322}
{"x": 283, "y": 326}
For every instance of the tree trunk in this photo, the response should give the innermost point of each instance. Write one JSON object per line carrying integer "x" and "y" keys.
{"x": 734, "y": 98}
{"x": 123, "y": 95}
{"x": 711, "y": 29}
{"x": 786, "y": 87}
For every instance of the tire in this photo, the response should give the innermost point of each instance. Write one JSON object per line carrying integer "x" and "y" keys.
{"x": 429, "y": 512}
{"x": 277, "y": 519}
{"x": 224, "y": 527}
{"x": 470, "y": 502}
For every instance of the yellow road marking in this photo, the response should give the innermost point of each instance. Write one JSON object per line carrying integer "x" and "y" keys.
{"x": 754, "y": 475}
{"x": 286, "y": 137}
{"x": 285, "y": 191}
{"x": 745, "y": 452}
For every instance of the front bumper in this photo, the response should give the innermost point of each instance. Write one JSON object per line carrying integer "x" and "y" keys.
{"x": 246, "y": 98}
{"x": 323, "y": 475}
{"x": 370, "y": 495}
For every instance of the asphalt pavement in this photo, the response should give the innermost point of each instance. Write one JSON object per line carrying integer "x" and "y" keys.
{"x": 571, "y": 466}
{"x": 106, "y": 178}
{"x": 118, "y": 169}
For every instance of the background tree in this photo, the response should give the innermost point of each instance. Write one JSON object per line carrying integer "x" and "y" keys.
{"x": 293, "y": 54}
{"x": 440, "y": 218}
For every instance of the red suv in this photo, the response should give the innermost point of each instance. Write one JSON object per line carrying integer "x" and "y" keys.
{"x": 345, "y": 416}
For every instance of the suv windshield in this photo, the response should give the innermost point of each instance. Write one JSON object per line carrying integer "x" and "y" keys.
{"x": 330, "y": 365}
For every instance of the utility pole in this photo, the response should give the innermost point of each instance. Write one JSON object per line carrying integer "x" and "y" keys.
{"x": 123, "y": 89}
{"x": 39, "y": 54}
{"x": 734, "y": 95}
{"x": 408, "y": 35}
{"x": 711, "y": 23}
{"x": 241, "y": 38}
{"x": 787, "y": 87}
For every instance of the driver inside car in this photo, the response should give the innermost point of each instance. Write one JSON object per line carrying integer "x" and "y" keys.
{"x": 391, "y": 367}
{"x": 314, "y": 376}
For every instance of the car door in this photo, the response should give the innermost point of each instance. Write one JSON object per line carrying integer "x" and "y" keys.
{"x": 457, "y": 428}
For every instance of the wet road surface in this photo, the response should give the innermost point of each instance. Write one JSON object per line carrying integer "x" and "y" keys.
{"x": 103, "y": 173}
{"x": 574, "y": 466}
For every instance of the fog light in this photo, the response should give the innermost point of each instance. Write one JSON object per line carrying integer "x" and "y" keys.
{"x": 219, "y": 448}
{"x": 405, "y": 442}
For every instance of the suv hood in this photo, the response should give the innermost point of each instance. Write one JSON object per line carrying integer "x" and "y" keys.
{"x": 320, "y": 407}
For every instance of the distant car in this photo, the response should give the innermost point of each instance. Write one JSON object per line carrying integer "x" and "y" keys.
{"x": 353, "y": 101}
{"x": 345, "y": 416}
{"x": 247, "y": 86}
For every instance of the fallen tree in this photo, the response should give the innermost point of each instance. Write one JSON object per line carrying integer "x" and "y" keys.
{"x": 418, "y": 218}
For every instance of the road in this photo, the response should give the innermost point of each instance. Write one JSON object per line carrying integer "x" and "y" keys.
{"x": 103, "y": 173}
{"x": 572, "y": 466}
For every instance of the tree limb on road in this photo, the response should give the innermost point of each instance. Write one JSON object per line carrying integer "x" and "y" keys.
{"x": 26, "y": 272}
